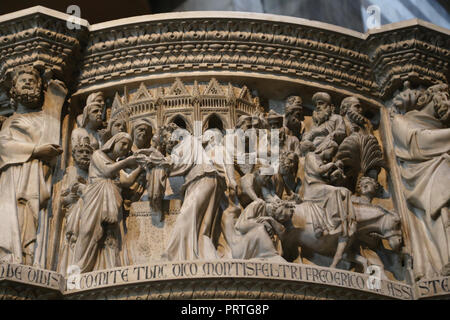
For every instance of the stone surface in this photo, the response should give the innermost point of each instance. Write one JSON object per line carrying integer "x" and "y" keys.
{"x": 147, "y": 234}
{"x": 180, "y": 178}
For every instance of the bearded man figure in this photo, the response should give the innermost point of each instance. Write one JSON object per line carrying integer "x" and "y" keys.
{"x": 91, "y": 121}
{"x": 73, "y": 186}
{"x": 326, "y": 123}
{"x": 25, "y": 173}
{"x": 360, "y": 151}
{"x": 422, "y": 146}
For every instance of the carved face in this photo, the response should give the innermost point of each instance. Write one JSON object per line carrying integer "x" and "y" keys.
{"x": 396, "y": 242}
{"x": 27, "y": 91}
{"x": 119, "y": 125}
{"x": 212, "y": 138}
{"x": 355, "y": 114}
{"x": 142, "y": 135}
{"x": 288, "y": 164}
{"x": 95, "y": 115}
{"x": 170, "y": 141}
{"x": 442, "y": 107}
{"x": 283, "y": 213}
{"x": 368, "y": 187}
{"x": 82, "y": 156}
{"x": 322, "y": 112}
{"x": 121, "y": 148}
{"x": 294, "y": 120}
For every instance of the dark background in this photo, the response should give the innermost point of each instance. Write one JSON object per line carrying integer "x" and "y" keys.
{"x": 345, "y": 13}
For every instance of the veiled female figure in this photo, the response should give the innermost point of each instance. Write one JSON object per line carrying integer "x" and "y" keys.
{"x": 99, "y": 244}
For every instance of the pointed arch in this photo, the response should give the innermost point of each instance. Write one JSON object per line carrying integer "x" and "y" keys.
{"x": 181, "y": 121}
{"x": 215, "y": 120}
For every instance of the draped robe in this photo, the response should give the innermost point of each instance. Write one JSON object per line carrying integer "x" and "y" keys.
{"x": 331, "y": 205}
{"x": 24, "y": 191}
{"x": 422, "y": 145}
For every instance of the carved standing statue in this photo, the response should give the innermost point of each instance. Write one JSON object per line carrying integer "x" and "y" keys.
{"x": 25, "y": 178}
{"x": 370, "y": 245}
{"x": 422, "y": 146}
{"x": 286, "y": 181}
{"x": 215, "y": 149}
{"x": 360, "y": 151}
{"x": 115, "y": 125}
{"x": 100, "y": 240}
{"x": 142, "y": 134}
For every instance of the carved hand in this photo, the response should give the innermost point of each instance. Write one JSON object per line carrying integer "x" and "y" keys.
{"x": 268, "y": 228}
{"x": 132, "y": 160}
{"x": 47, "y": 151}
{"x": 232, "y": 184}
{"x": 295, "y": 198}
{"x": 140, "y": 159}
{"x": 71, "y": 198}
{"x": 110, "y": 219}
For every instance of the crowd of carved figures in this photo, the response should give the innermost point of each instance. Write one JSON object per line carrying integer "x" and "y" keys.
{"x": 314, "y": 203}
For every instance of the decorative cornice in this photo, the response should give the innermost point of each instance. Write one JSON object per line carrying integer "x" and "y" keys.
{"x": 414, "y": 52}
{"x": 229, "y": 44}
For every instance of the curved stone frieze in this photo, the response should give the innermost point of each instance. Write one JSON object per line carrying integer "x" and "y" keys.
{"x": 209, "y": 279}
